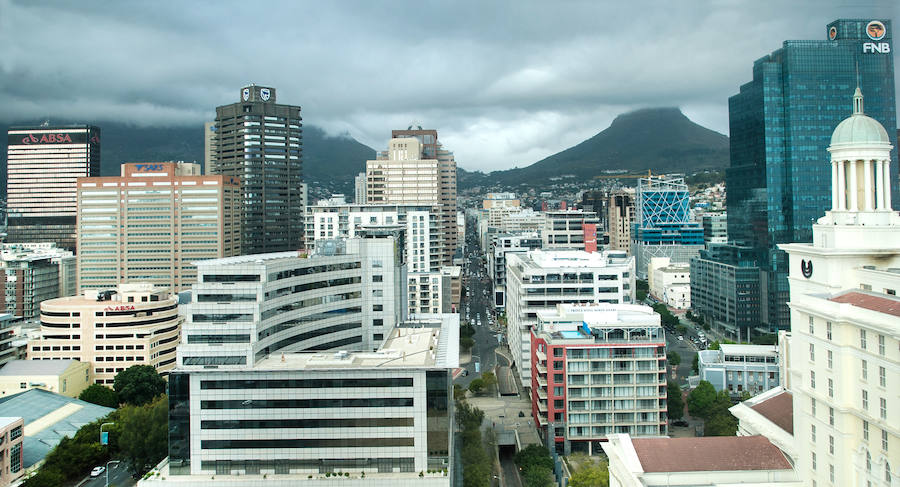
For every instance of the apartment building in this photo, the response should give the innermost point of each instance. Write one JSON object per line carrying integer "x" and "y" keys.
{"x": 150, "y": 223}
{"x": 598, "y": 370}
{"x": 566, "y": 229}
{"x": 502, "y": 244}
{"x": 539, "y": 280}
{"x": 135, "y": 324}
{"x": 32, "y": 273}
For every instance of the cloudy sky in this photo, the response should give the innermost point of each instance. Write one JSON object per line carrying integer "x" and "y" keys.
{"x": 505, "y": 83}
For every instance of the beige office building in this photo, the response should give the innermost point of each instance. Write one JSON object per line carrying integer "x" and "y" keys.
{"x": 138, "y": 324}
{"x": 152, "y": 222}
{"x": 620, "y": 217}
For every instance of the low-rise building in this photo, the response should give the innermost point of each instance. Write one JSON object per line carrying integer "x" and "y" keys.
{"x": 66, "y": 377}
{"x": 566, "y": 229}
{"x": 770, "y": 414}
{"x": 11, "y": 452}
{"x": 34, "y": 272}
{"x": 136, "y": 324}
{"x": 670, "y": 283}
{"x": 740, "y": 368}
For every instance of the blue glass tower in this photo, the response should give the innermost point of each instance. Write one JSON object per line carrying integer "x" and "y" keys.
{"x": 781, "y": 122}
{"x": 663, "y": 226}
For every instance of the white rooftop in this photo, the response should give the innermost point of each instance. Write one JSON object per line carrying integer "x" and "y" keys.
{"x": 568, "y": 258}
{"x": 738, "y": 349}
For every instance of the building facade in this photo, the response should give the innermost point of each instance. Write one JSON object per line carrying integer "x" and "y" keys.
{"x": 136, "y": 324}
{"x": 11, "y": 454}
{"x": 539, "y": 280}
{"x": 598, "y": 370}
{"x": 33, "y": 273}
{"x": 260, "y": 142}
{"x": 715, "y": 228}
{"x": 502, "y": 244}
{"x": 151, "y": 223}
{"x": 670, "y": 283}
{"x": 780, "y": 123}
{"x": 740, "y": 368}
{"x": 620, "y": 215}
{"x": 67, "y": 377}
{"x": 567, "y": 230}
{"x": 662, "y": 225}
{"x": 725, "y": 288}
{"x": 43, "y": 163}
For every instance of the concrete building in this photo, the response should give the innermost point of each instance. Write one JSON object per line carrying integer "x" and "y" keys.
{"x": 670, "y": 283}
{"x": 499, "y": 205}
{"x": 209, "y": 147}
{"x": 502, "y": 244}
{"x": 620, "y": 217}
{"x": 43, "y": 163}
{"x": 740, "y": 368}
{"x": 259, "y": 142}
{"x": 598, "y": 370}
{"x": 136, "y": 324}
{"x": 67, "y": 377}
{"x": 711, "y": 461}
{"x": 844, "y": 343}
{"x": 715, "y": 228}
{"x": 152, "y": 222}
{"x": 539, "y": 280}
{"x": 11, "y": 454}
{"x": 33, "y": 273}
{"x": 725, "y": 289}
{"x": 359, "y": 187}
{"x": 8, "y": 351}
{"x": 662, "y": 224}
{"x": 769, "y": 414}
{"x": 567, "y": 230}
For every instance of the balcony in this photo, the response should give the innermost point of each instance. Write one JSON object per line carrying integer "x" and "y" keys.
{"x": 542, "y": 406}
{"x": 542, "y": 381}
{"x": 541, "y": 367}
{"x": 542, "y": 394}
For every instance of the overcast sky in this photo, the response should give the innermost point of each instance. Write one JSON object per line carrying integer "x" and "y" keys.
{"x": 505, "y": 83}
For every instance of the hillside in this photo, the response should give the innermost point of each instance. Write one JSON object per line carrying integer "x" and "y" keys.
{"x": 329, "y": 163}
{"x": 659, "y": 139}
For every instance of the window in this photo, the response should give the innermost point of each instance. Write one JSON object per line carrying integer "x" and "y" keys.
{"x": 830, "y": 388}
{"x": 862, "y": 339}
{"x": 812, "y": 326}
{"x": 865, "y": 370}
{"x": 812, "y": 352}
{"x": 831, "y": 416}
{"x": 882, "y": 377}
{"x": 868, "y": 462}
{"x": 15, "y": 458}
{"x": 377, "y": 278}
{"x": 884, "y": 440}
{"x": 865, "y": 400}
{"x": 813, "y": 460}
{"x": 557, "y": 365}
{"x": 558, "y": 378}
{"x": 830, "y": 359}
{"x": 558, "y": 352}
{"x": 831, "y": 472}
{"x": 813, "y": 402}
{"x": 865, "y": 430}
{"x": 812, "y": 432}
{"x": 812, "y": 379}
{"x": 377, "y": 307}
{"x": 880, "y": 344}
{"x": 828, "y": 330}
{"x": 831, "y": 444}
{"x": 883, "y": 403}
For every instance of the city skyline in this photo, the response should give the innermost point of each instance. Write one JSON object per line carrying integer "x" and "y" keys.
{"x": 506, "y": 87}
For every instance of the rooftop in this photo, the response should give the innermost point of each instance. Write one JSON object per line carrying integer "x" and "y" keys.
{"x": 35, "y": 367}
{"x": 778, "y": 409}
{"x": 711, "y": 453}
{"x": 881, "y": 303}
{"x": 570, "y": 259}
{"x": 739, "y": 349}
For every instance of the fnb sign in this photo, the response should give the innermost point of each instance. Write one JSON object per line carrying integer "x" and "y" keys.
{"x": 879, "y": 47}
{"x": 148, "y": 167}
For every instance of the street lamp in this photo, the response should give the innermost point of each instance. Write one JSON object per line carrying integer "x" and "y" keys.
{"x": 107, "y": 469}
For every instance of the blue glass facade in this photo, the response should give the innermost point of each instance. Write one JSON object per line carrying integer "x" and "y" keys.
{"x": 781, "y": 122}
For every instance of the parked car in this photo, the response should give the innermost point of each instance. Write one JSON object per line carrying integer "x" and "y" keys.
{"x": 98, "y": 471}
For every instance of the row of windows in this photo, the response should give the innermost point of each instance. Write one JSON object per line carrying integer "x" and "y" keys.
{"x": 305, "y": 423}
{"x": 308, "y": 443}
{"x": 306, "y": 383}
{"x": 375, "y": 402}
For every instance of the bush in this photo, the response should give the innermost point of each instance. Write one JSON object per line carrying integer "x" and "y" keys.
{"x": 100, "y": 395}
{"x": 674, "y": 401}
{"x": 139, "y": 384}
{"x": 674, "y": 359}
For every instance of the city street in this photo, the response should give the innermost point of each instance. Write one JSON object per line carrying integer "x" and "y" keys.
{"x": 119, "y": 476}
{"x": 475, "y": 308}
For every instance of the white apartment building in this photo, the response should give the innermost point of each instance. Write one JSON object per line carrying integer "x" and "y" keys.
{"x": 597, "y": 370}
{"x": 740, "y": 368}
{"x": 502, "y": 244}
{"x": 135, "y": 324}
{"x": 844, "y": 343}
{"x": 347, "y": 294}
{"x": 539, "y": 280}
{"x": 565, "y": 229}
{"x": 33, "y": 272}
{"x": 670, "y": 283}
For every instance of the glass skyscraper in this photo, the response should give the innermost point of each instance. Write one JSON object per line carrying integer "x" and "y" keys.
{"x": 781, "y": 122}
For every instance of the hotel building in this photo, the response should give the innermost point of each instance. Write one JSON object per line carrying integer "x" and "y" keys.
{"x": 136, "y": 324}
{"x": 43, "y": 163}
{"x": 152, "y": 222}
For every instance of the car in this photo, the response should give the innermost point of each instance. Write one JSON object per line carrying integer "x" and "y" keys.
{"x": 98, "y": 471}
{"x": 680, "y": 337}
{"x": 680, "y": 423}
{"x": 521, "y": 414}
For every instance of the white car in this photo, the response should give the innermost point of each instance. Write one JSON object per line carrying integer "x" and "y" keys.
{"x": 97, "y": 471}
{"x": 680, "y": 337}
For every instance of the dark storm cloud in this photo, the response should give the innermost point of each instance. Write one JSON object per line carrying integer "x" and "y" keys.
{"x": 505, "y": 83}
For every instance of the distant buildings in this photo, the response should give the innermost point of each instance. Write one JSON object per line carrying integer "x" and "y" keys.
{"x": 598, "y": 370}
{"x": 740, "y": 368}
{"x": 620, "y": 217}
{"x": 136, "y": 324}
{"x": 32, "y": 273}
{"x": 153, "y": 222}
{"x": 67, "y": 377}
{"x": 662, "y": 225}
{"x": 43, "y": 163}
{"x": 259, "y": 142}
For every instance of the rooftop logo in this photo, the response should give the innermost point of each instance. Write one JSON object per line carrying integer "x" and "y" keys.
{"x": 47, "y": 139}
{"x": 875, "y": 30}
{"x": 265, "y": 94}
{"x": 148, "y": 167}
{"x": 832, "y": 33}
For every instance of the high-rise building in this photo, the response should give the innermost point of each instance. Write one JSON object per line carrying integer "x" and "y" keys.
{"x": 209, "y": 147}
{"x": 153, "y": 222}
{"x": 43, "y": 163}
{"x": 715, "y": 228}
{"x": 598, "y": 370}
{"x": 843, "y": 350}
{"x": 32, "y": 273}
{"x": 620, "y": 210}
{"x": 501, "y": 245}
{"x": 780, "y": 124}
{"x": 260, "y": 142}
{"x": 134, "y": 324}
{"x": 539, "y": 280}
{"x": 416, "y": 169}
{"x": 725, "y": 288}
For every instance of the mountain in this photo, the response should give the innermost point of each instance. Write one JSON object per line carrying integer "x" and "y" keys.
{"x": 329, "y": 162}
{"x": 659, "y": 139}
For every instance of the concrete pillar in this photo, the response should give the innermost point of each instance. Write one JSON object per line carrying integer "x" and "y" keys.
{"x": 842, "y": 186}
{"x": 854, "y": 187}
{"x": 887, "y": 184}
{"x": 879, "y": 185}
{"x": 867, "y": 185}
{"x": 835, "y": 197}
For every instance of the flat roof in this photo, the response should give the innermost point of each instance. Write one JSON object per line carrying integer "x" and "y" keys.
{"x": 740, "y": 349}
{"x": 881, "y": 303}
{"x": 35, "y": 367}
{"x": 710, "y": 453}
{"x": 778, "y": 409}
{"x": 8, "y": 420}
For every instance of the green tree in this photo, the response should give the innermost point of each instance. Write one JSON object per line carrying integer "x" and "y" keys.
{"x": 534, "y": 456}
{"x": 701, "y": 400}
{"x": 138, "y": 384}
{"x": 45, "y": 478}
{"x": 674, "y": 401}
{"x": 714, "y": 345}
{"x": 101, "y": 395}
{"x": 145, "y": 428}
{"x": 537, "y": 477}
{"x": 458, "y": 392}
{"x": 595, "y": 475}
{"x": 476, "y": 386}
{"x": 673, "y": 358}
{"x": 466, "y": 343}
{"x": 721, "y": 424}
{"x": 641, "y": 285}
{"x": 695, "y": 365}
{"x": 490, "y": 381}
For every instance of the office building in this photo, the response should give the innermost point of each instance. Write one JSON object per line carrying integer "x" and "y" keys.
{"x": 670, "y": 283}
{"x": 32, "y": 273}
{"x": 740, "y": 368}
{"x": 844, "y": 344}
{"x": 135, "y": 324}
{"x": 620, "y": 216}
{"x": 209, "y": 147}
{"x": 568, "y": 230}
{"x": 151, "y": 223}
{"x": 259, "y": 142}
{"x": 502, "y": 244}
{"x": 7, "y": 350}
{"x": 662, "y": 224}
{"x": 43, "y": 163}
{"x": 359, "y": 188}
{"x": 780, "y": 125}
{"x": 598, "y": 370}
{"x": 539, "y": 280}
{"x": 11, "y": 452}
{"x": 417, "y": 170}
{"x": 499, "y": 205}
{"x": 725, "y": 289}
{"x": 67, "y": 377}
{"x": 715, "y": 228}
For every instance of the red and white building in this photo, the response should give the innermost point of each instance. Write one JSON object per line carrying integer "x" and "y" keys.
{"x": 597, "y": 370}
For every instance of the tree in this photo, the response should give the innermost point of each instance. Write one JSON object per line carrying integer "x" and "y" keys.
{"x": 138, "y": 384}
{"x": 101, "y": 395}
{"x": 458, "y": 392}
{"x": 722, "y": 424}
{"x": 595, "y": 475}
{"x": 490, "y": 380}
{"x": 534, "y": 456}
{"x": 145, "y": 429}
{"x": 695, "y": 366}
{"x": 466, "y": 343}
{"x": 674, "y": 401}
{"x": 700, "y": 401}
{"x": 537, "y": 477}
{"x": 713, "y": 346}
{"x": 673, "y": 358}
{"x": 476, "y": 386}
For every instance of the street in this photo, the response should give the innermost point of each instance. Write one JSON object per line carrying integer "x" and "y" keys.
{"x": 118, "y": 477}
